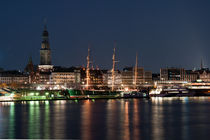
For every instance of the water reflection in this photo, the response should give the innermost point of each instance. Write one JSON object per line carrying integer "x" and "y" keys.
{"x": 12, "y": 121}
{"x": 86, "y": 120}
{"x": 112, "y": 116}
{"x": 136, "y": 118}
{"x": 126, "y": 126}
{"x": 185, "y": 118}
{"x": 34, "y": 118}
{"x": 59, "y": 119}
{"x": 46, "y": 130}
{"x": 158, "y": 118}
{"x": 111, "y": 119}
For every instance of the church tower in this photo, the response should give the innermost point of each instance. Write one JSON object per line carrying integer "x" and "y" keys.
{"x": 45, "y": 52}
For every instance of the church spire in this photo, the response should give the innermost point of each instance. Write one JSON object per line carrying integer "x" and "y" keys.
{"x": 45, "y": 24}
{"x": 29, "y": 67}
{"x": 45, "y": 52}
{"x": 45, "y": 35}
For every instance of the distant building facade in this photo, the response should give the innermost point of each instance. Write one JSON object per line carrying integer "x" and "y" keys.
{"x": 180, "y": 74}
{"x": 142, "y": 77}
{"x": 204, "y": 74}
{"x": 148, "y": 77}
{"x": 13, "y": 77}
{"x": 95, "y": 78}
{"x": 172, "y": 74}
{"x": 69, "y": 77}
{"x": 191, "y": 75}
{"x": 117, "y": 83}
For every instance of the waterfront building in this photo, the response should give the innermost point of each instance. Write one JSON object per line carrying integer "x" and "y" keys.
{"x": 117, "y": 80}
{"x": 70, "y": 77}
{"x": 191, "y": 75}
{"x": 142, "y": 77}
{"x": 168, "y": 74}
{"x": 128, "y": 77}
{"x": 95, "y": 78}
{"x": 180, "y": 74}
{"x": 204, "y": 74}
{"x": 147, "y": 77}
{"x": 12, "y": 78}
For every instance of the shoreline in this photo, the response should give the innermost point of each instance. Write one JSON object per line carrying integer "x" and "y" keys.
{"x": 72, "y": 99}
{"x": 75, "y": 99}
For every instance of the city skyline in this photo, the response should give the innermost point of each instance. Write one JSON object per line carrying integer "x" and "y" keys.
{"x": 104, "y": 69}
{"x": 162, "y": 38}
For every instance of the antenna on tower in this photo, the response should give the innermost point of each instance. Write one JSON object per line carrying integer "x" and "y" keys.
{"x": 45, "y": 23}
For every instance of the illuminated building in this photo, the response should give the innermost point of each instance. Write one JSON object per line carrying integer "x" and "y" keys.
{"x": 179, "y": 74}
{"x": 148, "y": 77}
{"x": 13, "y": 77}
{"x": 204, "y": 75}
{"x": 69, "y": 77}
{"x": 117, "y": 79}
{"x": 45, "y": 68}
{"x": 191, "y": 75}
{"x": 95, "y": 78}
{"x": 127, "y": 77}
{"x": 142, "y": 77}
{"x": 171, "y": 74}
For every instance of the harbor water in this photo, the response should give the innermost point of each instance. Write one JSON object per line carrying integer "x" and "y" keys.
{"x": 156, "y": 118}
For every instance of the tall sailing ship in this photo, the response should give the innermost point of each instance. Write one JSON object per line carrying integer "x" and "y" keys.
{"x": 89, "y": 91}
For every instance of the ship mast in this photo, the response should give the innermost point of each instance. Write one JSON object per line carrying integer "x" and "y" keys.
{"x": 113, "y": 67}
{"x": 136, "y": 71}
{"x": 88, "y": 70}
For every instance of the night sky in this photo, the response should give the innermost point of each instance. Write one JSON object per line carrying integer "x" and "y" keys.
{"x": 163, "y": 32}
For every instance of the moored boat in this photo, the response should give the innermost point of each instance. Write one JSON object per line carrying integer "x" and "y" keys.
{"x": 170, "y": 91}
{"x": 133, "y": 94}
{"x": 199, "y": 88}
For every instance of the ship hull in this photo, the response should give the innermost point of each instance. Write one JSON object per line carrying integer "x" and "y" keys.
{"x": 92, "y": 94}
{"x": 134, "y": 94}
{"x": 200, "y": 92}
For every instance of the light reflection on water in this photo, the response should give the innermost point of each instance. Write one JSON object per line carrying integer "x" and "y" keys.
{"x": 86, "y": 120}
{"x": 157, "y": 118}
